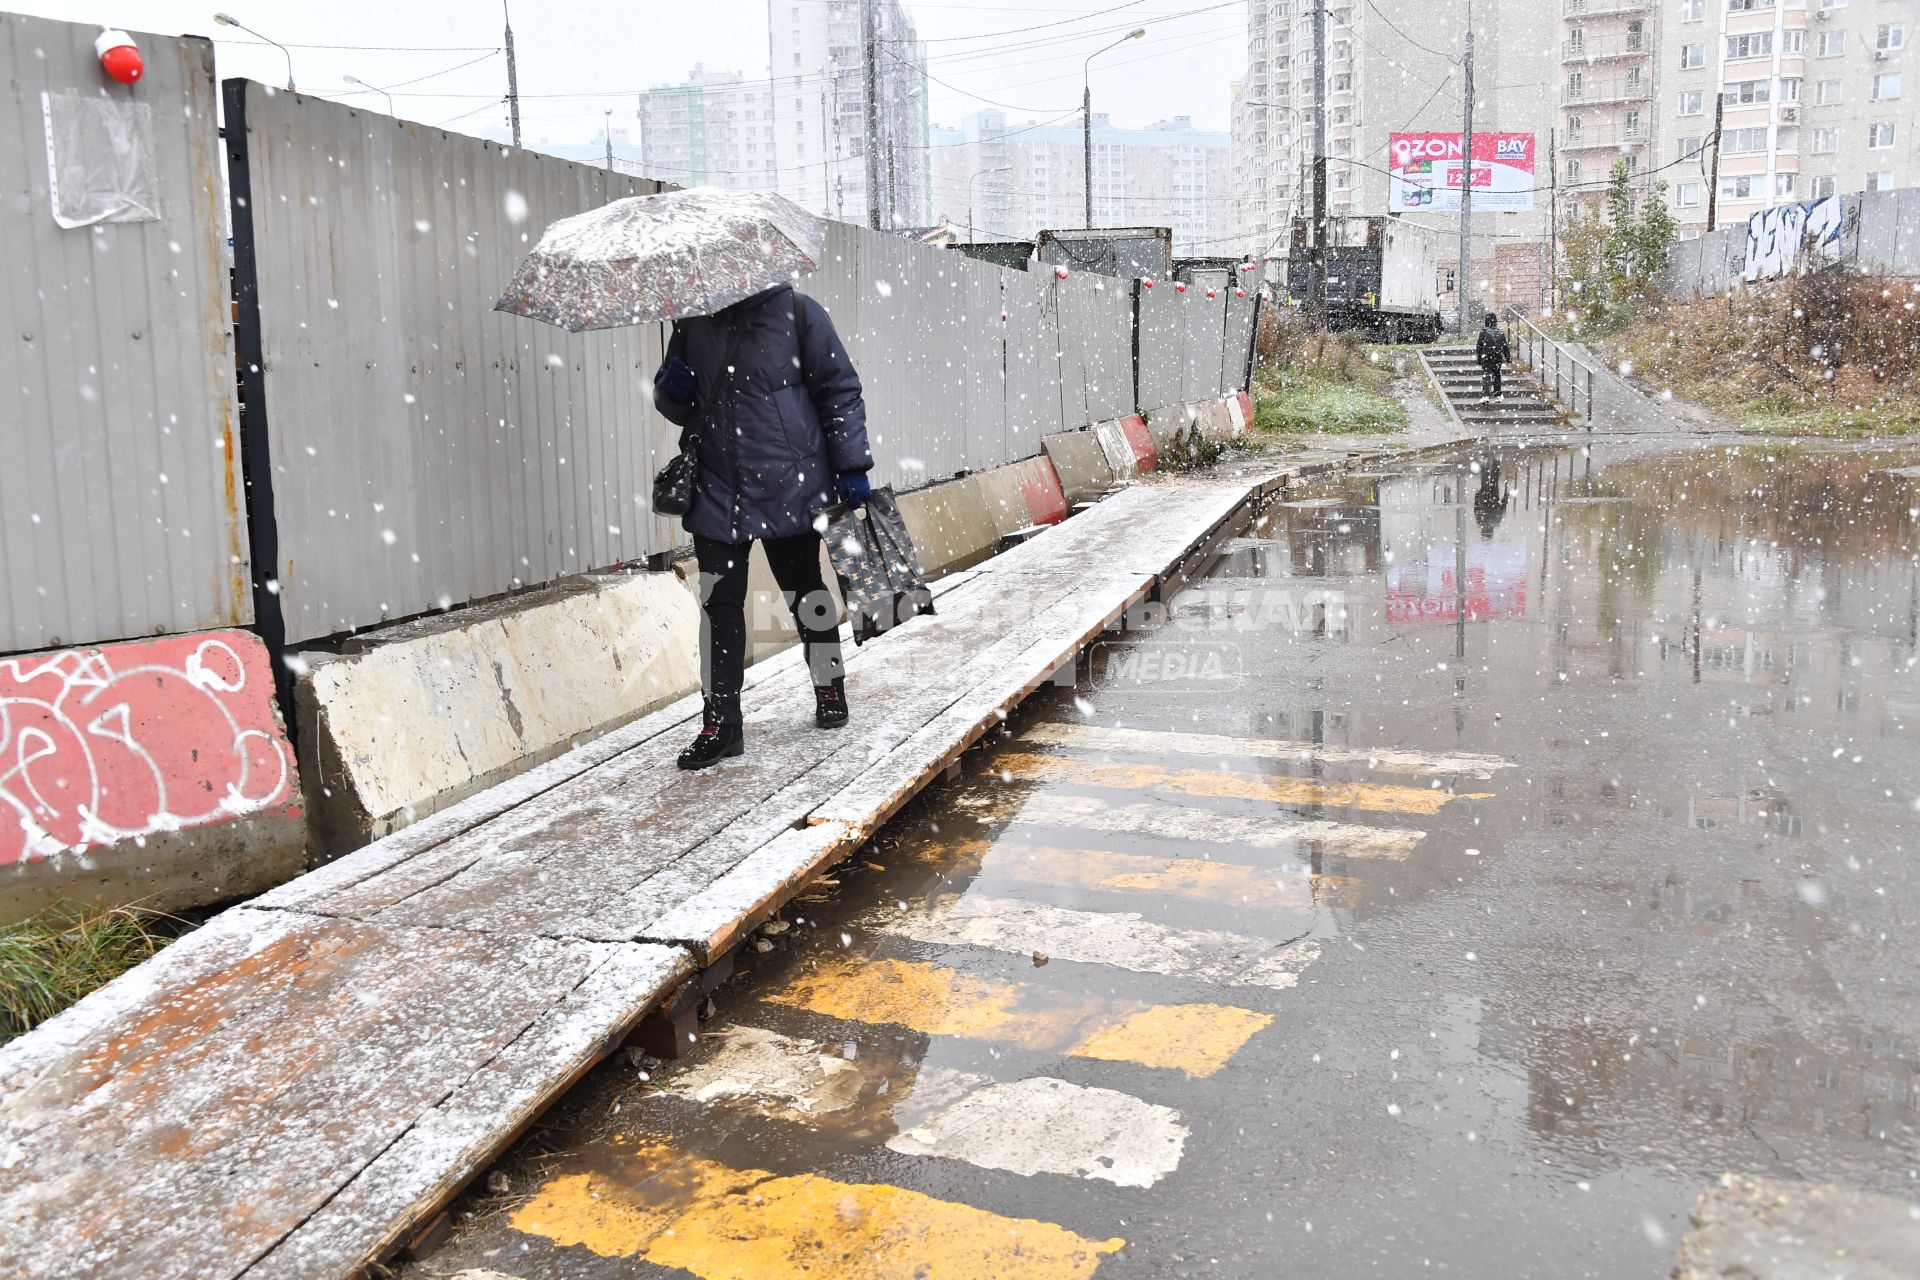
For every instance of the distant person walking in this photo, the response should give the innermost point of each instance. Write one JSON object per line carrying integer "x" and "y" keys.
{"x": 767, "y": 388}
{"x": 1492, "y": 351}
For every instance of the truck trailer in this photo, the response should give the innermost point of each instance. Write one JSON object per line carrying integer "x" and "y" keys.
{"x": 1382, "y": 276}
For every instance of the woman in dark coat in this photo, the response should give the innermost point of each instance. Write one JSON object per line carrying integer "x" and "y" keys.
{"x": 782, "y": 432}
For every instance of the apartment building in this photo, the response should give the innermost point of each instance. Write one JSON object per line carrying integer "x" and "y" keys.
{"x": 819, "y": 102}
{"x": 716, "y": 130}
{"x": 1017, "y": 178}
{"x": 1391, "y": 66}
{"x": 1810, "y": 92}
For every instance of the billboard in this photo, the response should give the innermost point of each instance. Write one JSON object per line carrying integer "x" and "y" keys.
{"x": 1425, "y": 172}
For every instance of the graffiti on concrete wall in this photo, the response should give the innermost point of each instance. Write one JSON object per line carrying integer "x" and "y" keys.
{"x": 99, "y": 746}
{"x": 1793, "y": 237}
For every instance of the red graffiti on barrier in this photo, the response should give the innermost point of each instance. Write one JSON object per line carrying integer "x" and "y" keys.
{"x": 103, "y": 745}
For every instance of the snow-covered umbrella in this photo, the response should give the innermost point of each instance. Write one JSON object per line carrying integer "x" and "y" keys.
{"x": 662, "y": 257}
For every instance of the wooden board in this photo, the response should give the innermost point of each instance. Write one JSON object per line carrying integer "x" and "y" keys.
{"x": 313, "y": 888}
{"x": 412, "y": 1180}
{"x": 1143, "y": 529}
{"x": 295, "y": 1088}
{"x": 193, "y": 1113}
{"x": 603, "y": 855}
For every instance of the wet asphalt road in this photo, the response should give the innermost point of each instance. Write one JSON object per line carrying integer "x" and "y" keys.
{"x": 1397, "y": 1018}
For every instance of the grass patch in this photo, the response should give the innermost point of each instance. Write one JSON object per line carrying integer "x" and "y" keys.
{"x": 50, "y": 960}
{"x": 1321, "y": 406}
{"x": 1827, "y": 354}
{"x": 1311, "y": 383}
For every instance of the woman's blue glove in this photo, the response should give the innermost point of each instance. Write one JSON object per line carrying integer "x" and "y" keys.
{"x": 677, "y": 381}
{"x": 853, "y": 487}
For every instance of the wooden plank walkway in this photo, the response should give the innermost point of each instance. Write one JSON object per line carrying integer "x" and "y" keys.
{"x": 298, "y": 1087}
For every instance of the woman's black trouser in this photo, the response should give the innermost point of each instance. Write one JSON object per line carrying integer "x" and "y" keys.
{"x": 795, "y": 563}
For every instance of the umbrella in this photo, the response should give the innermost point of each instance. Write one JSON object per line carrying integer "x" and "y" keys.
{"x": 873, "y": 556}
{"x": 661, "y": 257}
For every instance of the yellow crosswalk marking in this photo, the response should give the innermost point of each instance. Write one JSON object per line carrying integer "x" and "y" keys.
{"x": 1174, "y": 1036}
{"x": 720, "y": 1223}
{"x": 938, "y": 1001}
{"x": 1091, "y": 737}
{"x": 1227, "y": 784}
{"x": 1196, "y": 879}
{"x": 1024, "y": 811}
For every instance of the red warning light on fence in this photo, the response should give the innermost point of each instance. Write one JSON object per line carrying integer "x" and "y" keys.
{"x": 119, "y": 56}
{"x": 1180, "y": 286}
{"x": 1060, "y": 272}
{"x": 1148, "y": 283}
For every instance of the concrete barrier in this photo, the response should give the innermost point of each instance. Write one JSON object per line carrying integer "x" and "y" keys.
{"x": 154, "y": 772}
{"x": 951, "y": 524}
{"x": 430, "y": 712}
{"x": 416, "y": 717}
{"x": 1022, "y": 495}
{"x": 1179, "y": 434}
{"x": 1145, "y": 456}
{"x": 1081, "y": 462}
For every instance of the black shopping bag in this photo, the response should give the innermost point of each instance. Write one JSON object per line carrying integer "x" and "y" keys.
{"x": 873, "y": 557}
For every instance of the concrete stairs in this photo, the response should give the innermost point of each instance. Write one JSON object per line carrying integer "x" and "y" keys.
{"x": 1522, "y": 408}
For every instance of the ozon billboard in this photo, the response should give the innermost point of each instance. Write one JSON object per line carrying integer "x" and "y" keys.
{"x": 1426, "y": 171}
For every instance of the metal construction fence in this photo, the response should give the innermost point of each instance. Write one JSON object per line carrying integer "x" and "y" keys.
{"x": 418, "y": 448}
{"x": 401, "y": 447}
{"x": 1876, "y": 233}
{"x": 120, "y": 508}
{"x": 428, "y": 451}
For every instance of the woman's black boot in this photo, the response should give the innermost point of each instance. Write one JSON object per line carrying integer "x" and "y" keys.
{"x": 830, "y": 704}
{"x": 716, "y": 742}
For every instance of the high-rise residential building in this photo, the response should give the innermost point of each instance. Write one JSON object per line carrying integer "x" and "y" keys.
{"x": 714, "y": 130}
{"x": 1394, "y": 66}
{"x": 1018, "y": 178}
{"x": 1812, "y": 97}
{"x": 819, "y": 105}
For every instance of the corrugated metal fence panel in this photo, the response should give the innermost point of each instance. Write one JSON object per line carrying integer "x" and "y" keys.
{"x": 1033, "y": 362}
{"x": 1889, "y": 233}
{"x": 1073, "y": 327}
{"x": 982, "y": 357}
{"x": 1107, "y": 339}
{"x": 1204, "y": 319}
{"x": 427, "y": 450}
{"x": 1682, "y": 275}
{"x": 1234, "y": 361}
{"x": 1162, "y": 348}
{"x": 119, "y": 507}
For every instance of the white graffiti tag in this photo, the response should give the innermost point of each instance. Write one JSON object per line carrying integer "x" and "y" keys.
{"x": 1793, "y": 237}
{"x": 91, "y": 755}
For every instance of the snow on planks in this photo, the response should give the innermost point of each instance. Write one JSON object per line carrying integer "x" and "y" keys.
{"x": 294, "y": 1089}
{"x": 195, "y": 1112}
{"x": 609, "y": 854}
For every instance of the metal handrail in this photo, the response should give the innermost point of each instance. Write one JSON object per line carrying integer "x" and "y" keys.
{"x": 1557, "y": 368}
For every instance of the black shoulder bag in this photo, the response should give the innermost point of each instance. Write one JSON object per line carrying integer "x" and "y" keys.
{"x": 673, "y": 484}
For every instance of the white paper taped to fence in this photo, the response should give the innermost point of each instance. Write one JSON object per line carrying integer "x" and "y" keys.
{"x": 100, "y": 160}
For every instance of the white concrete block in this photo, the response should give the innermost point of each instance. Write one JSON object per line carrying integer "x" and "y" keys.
{"x": 409, "y": 726}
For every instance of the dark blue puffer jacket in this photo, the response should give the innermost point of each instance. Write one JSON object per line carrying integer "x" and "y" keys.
{"x": 779, "y": 414}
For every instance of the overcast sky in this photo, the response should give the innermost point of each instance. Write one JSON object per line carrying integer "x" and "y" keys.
{"x": 578, "y": 57}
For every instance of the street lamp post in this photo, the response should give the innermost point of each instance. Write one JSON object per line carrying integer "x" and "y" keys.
{"x": 376, "y": 89}
{"x": 1086, "y": 114}
{"x": 228, "y": 20}
{"x": 970, "y": 181}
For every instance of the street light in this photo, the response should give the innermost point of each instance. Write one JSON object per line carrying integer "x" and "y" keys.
{"x": 228, "y": 20}
{"x": 1086, "y": 111}
{"x": 970, "y": 181}
{"x": 376, "y": 89}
